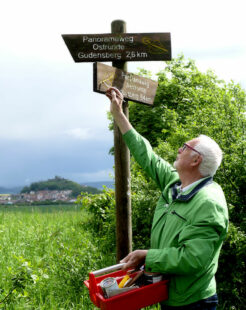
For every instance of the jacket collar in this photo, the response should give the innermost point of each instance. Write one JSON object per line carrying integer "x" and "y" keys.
{"x": 183, "y": 197}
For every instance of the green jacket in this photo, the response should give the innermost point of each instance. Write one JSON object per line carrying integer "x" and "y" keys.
{"x": 187, "y": 232}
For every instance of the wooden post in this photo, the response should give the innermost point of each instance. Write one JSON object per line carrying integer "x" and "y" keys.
{"x": 122, "y": 173}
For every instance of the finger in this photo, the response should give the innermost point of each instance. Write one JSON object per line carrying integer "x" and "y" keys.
{"x": 126, "y": 266}
{"x": 130, "y": 264}
{"x": 108, "y": 91}
{"x": 125, "y": 259}
{"x": 118, "y": 93}
{"x": 113, "y": 88}
{"x": 113, "y": 93}
{"x": 109, "y": 96}
{"x": 127, "y": 262}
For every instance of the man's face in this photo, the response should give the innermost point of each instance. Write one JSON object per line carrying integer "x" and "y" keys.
{"x": 185, "y": 157}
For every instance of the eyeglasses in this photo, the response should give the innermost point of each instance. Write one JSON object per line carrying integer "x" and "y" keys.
{"x": 185, "y": 145}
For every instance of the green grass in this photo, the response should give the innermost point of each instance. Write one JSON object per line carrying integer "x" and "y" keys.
{"x": 46, "y": 253}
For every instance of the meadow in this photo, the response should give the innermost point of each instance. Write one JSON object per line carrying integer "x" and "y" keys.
{"x": 46, "y": 253}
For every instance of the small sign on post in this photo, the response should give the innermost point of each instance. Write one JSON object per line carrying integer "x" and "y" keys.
{"x": 133, "y": 87}
{"x": 119, "y": 47}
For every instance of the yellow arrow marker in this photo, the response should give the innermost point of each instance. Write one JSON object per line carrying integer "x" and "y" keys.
{"x": 155, "y": 47}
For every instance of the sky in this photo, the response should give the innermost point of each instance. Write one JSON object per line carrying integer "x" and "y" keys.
{"x": 52, "y": 123}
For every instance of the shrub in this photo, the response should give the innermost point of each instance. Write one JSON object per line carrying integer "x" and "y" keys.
{"x": 102, "y": 220}
{"x": 231, "y": 273}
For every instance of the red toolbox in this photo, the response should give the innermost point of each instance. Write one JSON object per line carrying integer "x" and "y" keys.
{"x": 131, "y": 300}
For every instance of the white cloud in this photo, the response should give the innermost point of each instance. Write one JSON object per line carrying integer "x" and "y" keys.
{"x": 79, "y": 133}
{"x": 27, "y": 181}
{"x": 100, "y": 175}
{"x": 47, "y": 99}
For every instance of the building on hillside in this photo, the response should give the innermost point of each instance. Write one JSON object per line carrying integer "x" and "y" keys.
{"x": 5, "y": 199}
{"x": 51, "y": 195}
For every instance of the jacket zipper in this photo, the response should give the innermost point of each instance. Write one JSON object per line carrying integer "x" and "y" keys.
{"x": 174, "y": 212}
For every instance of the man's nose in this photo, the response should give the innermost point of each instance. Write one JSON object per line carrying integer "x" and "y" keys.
{"x": 180, "y": 150}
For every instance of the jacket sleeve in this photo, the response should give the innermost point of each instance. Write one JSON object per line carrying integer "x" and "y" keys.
{"x": 198, "y": 243}
{"x": 157, "y": 168}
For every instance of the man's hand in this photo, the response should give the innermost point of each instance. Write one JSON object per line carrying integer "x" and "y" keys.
{"x": 134, "y": 259}
{"x": 116, "y": 99}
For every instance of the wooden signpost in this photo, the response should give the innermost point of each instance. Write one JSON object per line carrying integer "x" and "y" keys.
{"x": 121, "y": 47}
{"x": 133, "y": 87}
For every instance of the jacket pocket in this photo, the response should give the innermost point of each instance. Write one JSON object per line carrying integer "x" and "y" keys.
{"x": 178, "y": 215}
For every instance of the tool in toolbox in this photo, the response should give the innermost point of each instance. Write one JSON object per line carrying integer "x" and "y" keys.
{"x": 131, "y": 298}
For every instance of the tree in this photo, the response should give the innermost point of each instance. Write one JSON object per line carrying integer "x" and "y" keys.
{"x": 188, "y": 103}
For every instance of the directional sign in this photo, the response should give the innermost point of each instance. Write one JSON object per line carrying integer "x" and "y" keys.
{"x": 119, "y": 47}
{"x": 133, "y": 87}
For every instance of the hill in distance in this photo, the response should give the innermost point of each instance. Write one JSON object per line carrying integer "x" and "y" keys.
{"x": 60, "y": 184}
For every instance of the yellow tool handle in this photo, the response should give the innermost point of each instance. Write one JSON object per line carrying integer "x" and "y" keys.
{"x": 123, "y": 281}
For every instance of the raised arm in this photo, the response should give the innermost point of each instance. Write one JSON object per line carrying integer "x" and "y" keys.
{"x": 116, "y": 99}
{"x": 158, "y": 169}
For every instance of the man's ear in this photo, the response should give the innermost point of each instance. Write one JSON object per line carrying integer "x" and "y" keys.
{"x": 197, "y": 159}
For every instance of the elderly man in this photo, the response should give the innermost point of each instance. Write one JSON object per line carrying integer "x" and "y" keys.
{"x": 190, "y": 220}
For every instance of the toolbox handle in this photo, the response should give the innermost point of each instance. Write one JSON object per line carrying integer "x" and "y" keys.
{"x": 93, "y": 287}
{"x": 108, "y": 269}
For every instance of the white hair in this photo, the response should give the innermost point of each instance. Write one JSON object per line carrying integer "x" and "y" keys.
{"x": 211, "y": 155}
